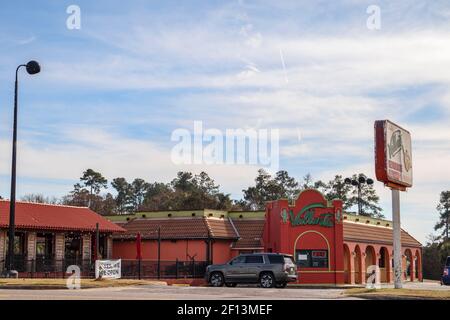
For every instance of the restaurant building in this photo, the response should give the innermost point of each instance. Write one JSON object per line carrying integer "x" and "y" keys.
{"x": 49, "y": 238}
{"x": 328, "y": 245}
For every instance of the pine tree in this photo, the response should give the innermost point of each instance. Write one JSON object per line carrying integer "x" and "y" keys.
{"x": 444, "y": 214}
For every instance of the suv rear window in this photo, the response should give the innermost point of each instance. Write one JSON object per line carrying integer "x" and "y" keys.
{"x": 276, "y": 259}
{"x": 254, "y": 259}
{"x": 288, "y": 260}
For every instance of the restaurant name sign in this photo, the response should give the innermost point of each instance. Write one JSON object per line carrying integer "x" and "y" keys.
{"x": 306, "y": 216}
{"x": 393, "y": 156}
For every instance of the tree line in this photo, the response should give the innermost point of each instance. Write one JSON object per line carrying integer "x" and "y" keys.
{"x": 437, "y": 249}
{"x": 188, "y": 191}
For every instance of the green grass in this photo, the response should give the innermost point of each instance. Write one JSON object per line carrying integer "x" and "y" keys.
{"x": 61, "y": 283}
{"x": 399, "y": 293}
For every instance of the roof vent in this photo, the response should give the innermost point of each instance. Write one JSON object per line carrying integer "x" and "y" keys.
{"x": 387, "y": 224}
{"x": 144, "y": 216}
{"x": 345, "y": 217}
{"x": 222, "y": 216}
{"x": 241, "y": 216}
{"x": 356, "y": 220}
{"x": 128, "y": 218}
{"x": 378, "y": 223}
{"x": 193, "y": 214}
{"x": 210, "y": 215}
{"x": 169, "y": 215}
{"x": 367, "y": 221}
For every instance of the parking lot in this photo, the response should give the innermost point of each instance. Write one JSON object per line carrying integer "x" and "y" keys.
{"x": 162, "y": 292}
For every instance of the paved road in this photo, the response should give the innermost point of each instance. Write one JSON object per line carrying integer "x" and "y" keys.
{"x": 173, "y": 293}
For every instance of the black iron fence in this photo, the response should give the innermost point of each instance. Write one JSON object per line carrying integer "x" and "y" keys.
{"x": 131, "y": 269}
{"x": 45, "y": 267}
{"x": 151, "y": 269}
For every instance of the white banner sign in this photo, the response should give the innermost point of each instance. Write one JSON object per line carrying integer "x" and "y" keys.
{"x": 108, "y": 269}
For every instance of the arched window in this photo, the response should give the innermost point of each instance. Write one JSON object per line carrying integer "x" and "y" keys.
{"x": 312, "y": 250}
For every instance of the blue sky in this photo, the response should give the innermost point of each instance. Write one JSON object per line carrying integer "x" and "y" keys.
{"x": 110, "y": 94}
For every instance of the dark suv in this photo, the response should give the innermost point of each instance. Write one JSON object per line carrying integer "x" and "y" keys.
{"x": 446, "y": 274}
{"x": 267, "y": 269}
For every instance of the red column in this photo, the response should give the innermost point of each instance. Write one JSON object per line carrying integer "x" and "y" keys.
{"x": 338, "y": 242}
{"x": 352, "y": 267}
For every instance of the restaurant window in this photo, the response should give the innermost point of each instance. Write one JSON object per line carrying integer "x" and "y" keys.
{"x": 312, "y": 258}
{"x": 103, "y": 245}
{"x": 19, "y": 243}
{"x": 44, "y": 245}
{"x": 73, "y": 246}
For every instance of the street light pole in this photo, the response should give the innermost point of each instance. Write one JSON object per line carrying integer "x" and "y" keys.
{"x": 359, "y": 199}
{"x": 359, "y": 182}
{"x": 32, "y": 67}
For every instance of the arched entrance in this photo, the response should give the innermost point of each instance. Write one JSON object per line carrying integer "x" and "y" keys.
{"x": 409, "y": 265}
{"x": 384, "y": 265}
{"x": 357, "y": 264}
{"x": 370, "y": 259}
{"x": 347, "y": 265}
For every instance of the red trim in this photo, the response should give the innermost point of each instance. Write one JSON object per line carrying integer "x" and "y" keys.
{"x": 380, "y": 151}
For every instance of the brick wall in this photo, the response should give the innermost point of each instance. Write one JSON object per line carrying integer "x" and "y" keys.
{"x": 86, "y": 253}
{"x": 31, "y": 245}
{"x": 59, "y": 246}
{"x": 2, "y": 245}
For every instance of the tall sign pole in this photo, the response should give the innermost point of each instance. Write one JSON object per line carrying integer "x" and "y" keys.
{"x": 393, "y": 167}
{"x": 397, "y": 239}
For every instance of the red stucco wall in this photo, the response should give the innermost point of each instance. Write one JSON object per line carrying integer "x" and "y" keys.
{"x": 172, "y": 250}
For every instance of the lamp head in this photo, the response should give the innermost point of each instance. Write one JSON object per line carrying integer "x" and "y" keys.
{"x": 348, "y": 181}
{"x": 362, "y": 179}
{"x": 33, "y": 67}
{"x": 369, "y": 181}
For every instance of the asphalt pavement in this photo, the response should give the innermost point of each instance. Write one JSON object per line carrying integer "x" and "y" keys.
{"x": 174, "y": 293}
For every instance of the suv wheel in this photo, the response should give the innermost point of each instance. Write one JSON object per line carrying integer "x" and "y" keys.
{"x": 267, "y": 280}
{"x": 216, "y": 279}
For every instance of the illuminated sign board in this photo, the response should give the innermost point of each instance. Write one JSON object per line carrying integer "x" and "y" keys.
{"x": 393, "y": 157}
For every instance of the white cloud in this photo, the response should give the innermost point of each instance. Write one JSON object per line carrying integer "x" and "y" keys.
{"x": 113, "y": 156}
